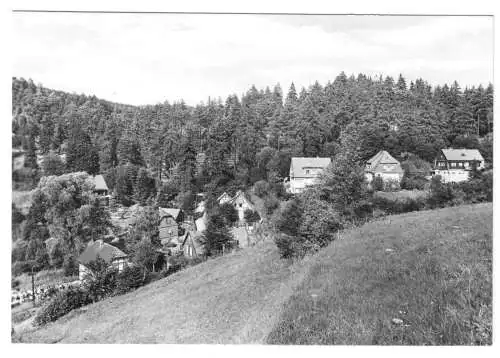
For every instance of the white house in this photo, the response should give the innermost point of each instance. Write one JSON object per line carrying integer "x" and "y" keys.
{"x": 385, "y": 166}
{"x": 305, "y": 172}
{"x": 241, "y": 203}
{"x": 454, "y": 165}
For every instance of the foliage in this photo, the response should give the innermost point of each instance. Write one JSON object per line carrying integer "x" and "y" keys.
{"x": 70, "y": 265}
{"x": 52, "y": 164}
{"x": 145, "y": 255}
{"x": 216, "y": 236}
{"x": 144, "y": 186}
{"x": 289, "y": 217}
{"x": 129, "y": 279}
{"x": 271, "y": 203}
{"x": 261, "y": 188}
{"x": 378, "y": 183}
{"x": 100, "y": 279}
{"x": 63, "y": 303}
{"x": 251, "y": 216}
{"x": 146, "y": 227}
{"x": 229, "y": 213}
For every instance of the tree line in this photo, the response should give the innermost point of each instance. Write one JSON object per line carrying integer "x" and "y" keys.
{"x": 237, "y": 142}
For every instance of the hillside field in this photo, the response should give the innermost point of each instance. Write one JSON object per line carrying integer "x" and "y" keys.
{"x": 429, "y": 269}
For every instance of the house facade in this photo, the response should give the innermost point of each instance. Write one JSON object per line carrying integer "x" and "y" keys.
{"x": 170, "y": 219}
{"x": 385, "y": 166}
{"x": 241, "y": 203}
{"x": 191, "y": 247}
{"x": 305, "y": 172}
{"x": 109, "y": 253}
{"x": 101, "y": 189}
{"x": 454, "y": 165}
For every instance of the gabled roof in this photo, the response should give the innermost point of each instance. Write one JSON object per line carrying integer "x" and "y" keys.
{"x": 223, "y": 198}
{"x": 173, "y": 212}
{"x": 195, "y": 238}
{"x": 106, "y": 251}
{"x": 100, "y": 183}
{"x": 376, "y": 163}
{"x": 241, "y": 194}
{"x": 462, "y": 154}
{"x": 299, "y": 165}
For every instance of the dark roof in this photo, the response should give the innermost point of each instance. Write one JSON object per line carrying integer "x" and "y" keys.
{"x": 299, "y": 165}
{"x": 462, "y": 154}
{"x": 106, "y": 251}
{"x": 169, "y": 212}
{"x": 379, "y": 162}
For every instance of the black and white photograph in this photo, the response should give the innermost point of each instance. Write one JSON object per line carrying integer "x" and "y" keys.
{"x": 255, "y": 177}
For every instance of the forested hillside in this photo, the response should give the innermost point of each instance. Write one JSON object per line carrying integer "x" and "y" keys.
{"x": 228, "y": 144}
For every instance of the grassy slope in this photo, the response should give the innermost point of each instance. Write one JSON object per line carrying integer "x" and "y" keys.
{"x": 437, "y": 280}
{"x": 253, "y": 296}
{"x": 233, "y": 299}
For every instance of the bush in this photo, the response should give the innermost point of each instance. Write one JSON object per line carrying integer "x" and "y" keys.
{"x": 129, "y": 279}
{"x": 177, "y": 263}
{"x": 378, "y": 183}
{"x": 289, "y": 218}
{"x": 100, "y": 281}
{"x": 271, "y": 203}
{"x": 441, "y": 193}
{"x": 289, "y": 246}
{"x": 63, "y": 303}
{"x": 21, "y": 267}
{"x": 391, "y": 185}
{"x": 229, "y": 213}
{"x": 70, "y": 266}
{"x": 251, "y": 216}
{"x": 400, "y": 205}
{"x": 261, "y": 188}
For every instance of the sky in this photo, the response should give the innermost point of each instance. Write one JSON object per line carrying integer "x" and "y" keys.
{"x": 150, "y": 58}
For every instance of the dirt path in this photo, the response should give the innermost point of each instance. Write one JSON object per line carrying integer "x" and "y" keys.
{"x": 233, "y": 299}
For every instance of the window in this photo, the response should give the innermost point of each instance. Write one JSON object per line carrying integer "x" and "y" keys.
{"x": 307, "y": 171}
{"x": 241, "y": 205}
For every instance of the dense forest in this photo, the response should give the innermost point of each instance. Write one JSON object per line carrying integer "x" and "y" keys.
{"x": 172, "y": 151}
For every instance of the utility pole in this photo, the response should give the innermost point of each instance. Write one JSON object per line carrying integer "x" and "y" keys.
{"x": 33, "y": 285}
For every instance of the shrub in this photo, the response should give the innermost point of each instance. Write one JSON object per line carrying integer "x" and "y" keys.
{"x": 261, "y": 188}
{"x": 251, "y": 216}
{"x": 441, "y": 193}
{"x": 391, "y": 185}
{"x": 289, "y": 217}
{"x": 21, "y": 267}
{"x": 229, "y": 213}
{"x": 289, "y": 246}
{"x": 271, "y": 203}
{"x": 378, "y": 183}
{"x": 63, "y": 303}
{"x": 100, "y": 281}
{"x": 70, "y": 266}
{"x": 129, "y": 279}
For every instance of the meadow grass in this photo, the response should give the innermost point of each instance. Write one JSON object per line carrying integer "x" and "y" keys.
{"x": 422, "y": 278}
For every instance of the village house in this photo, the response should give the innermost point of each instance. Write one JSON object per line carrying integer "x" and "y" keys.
{"x": 241, "y": 203}
{"x": 101, "y": 189}
{"x": 191, "y": 246}
{"x": 305, "y": 172}
{"x": 385, "y": 166}
{"x": 170, "y": 220}
{"x": 109, "y": 253}
{"x": 454, "y": 165}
